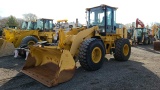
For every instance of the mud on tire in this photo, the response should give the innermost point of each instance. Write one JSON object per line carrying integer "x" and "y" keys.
{"x": 85, "y": 54}
{"x": 119, "y": 52}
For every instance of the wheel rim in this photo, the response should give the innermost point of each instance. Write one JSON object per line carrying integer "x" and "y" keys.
{"x": 96, "y": 54}
{"x": 31, "y": 43}
{"x": 125, "y": 49}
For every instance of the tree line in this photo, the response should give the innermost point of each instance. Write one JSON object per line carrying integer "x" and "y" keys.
{"x": 12, "y": 21}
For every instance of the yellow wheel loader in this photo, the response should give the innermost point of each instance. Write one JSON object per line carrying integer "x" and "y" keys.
{"x": 31, "y": 33}
{"x": 52, "y": 65}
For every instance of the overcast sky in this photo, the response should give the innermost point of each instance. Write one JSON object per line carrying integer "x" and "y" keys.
{"x": 128, "y": 10}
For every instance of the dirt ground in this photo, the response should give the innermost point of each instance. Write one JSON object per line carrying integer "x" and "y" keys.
{"x": 141, "y": 72}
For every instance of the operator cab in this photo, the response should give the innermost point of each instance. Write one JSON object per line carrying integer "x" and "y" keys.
{"x": 45, "y": 24}
{"x": 141, "y": 32}
{"x": 31, "y": 25}
{"x": 24, "y": 25}
{"x": 103, "y": 16}
{"x": 40, "y": 24}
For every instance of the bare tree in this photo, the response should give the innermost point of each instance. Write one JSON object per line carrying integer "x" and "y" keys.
{"x": 30, "y": 17}
{"x": 3, "y": 22}
{"x": 20, "y": 21}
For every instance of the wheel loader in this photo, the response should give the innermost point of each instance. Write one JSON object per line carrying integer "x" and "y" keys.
{"x": 52, "y": 65}
{"x": 31, "y": 33}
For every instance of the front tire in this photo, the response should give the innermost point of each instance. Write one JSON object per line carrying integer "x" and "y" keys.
{"x": 91, "y": 54}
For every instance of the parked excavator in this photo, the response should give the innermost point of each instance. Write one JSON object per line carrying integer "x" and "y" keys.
{"x": 140, "y": 35}
{"x": 52, "y": 65}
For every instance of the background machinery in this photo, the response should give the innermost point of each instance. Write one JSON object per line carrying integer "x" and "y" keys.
{"x": 142, "y": 33}
{"x": 156, "y": 37}
{"x": 139, "y": 35}
{"x": 156, "y": 32}
{"x": 41, "y": 30}
{"x": 64, "y": 24}
{"x": 52, "y": 65}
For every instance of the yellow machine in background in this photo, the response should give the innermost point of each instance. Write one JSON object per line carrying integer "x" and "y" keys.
{"x": 156, "y": 36}
{"x": 61, "y": 24}
{"x": 64, "y": 24}
{"x": 42, "y": 30}
{"x": 121, "y": 29}
{"x": 156, "y": 32}
{"x": 63, "y": 20}
{"x": 52, "y": 65}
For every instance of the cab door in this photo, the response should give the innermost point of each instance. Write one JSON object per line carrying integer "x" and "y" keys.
{"x": 110, "y": 20}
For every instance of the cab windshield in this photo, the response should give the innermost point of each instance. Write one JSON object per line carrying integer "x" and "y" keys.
{"x": 31, "y": 25}
{"x": 24, "y": 25}
{"x": 48, "y": 24}
{"x": 96, "y": 17}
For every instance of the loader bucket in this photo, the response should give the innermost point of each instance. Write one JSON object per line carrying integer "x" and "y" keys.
{"x": 49, "y": 66}
{"x": 6, "y": 48}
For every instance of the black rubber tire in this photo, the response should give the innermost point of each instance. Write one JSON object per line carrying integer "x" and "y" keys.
{"x": 25, "y": 40}
{"x": 85, "y": 51}
{"x": 119, "y": 44}
{"x": 146, "y": 41}
{"x": 149, "y": 40}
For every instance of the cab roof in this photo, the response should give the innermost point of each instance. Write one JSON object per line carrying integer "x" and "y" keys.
{"x": 63, "y": 20}
{"x": 102, "y": 5}
{"x": 46, "y": 19}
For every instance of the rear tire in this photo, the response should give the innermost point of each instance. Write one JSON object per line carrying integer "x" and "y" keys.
{"x": 91, "y": 54}
{"x": 122, "y": 50}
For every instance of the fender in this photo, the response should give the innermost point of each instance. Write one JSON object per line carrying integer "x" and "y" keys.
{"x": 79, "y": 38}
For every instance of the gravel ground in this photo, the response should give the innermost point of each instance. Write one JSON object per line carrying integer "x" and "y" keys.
{"x": 141, "y": 72}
